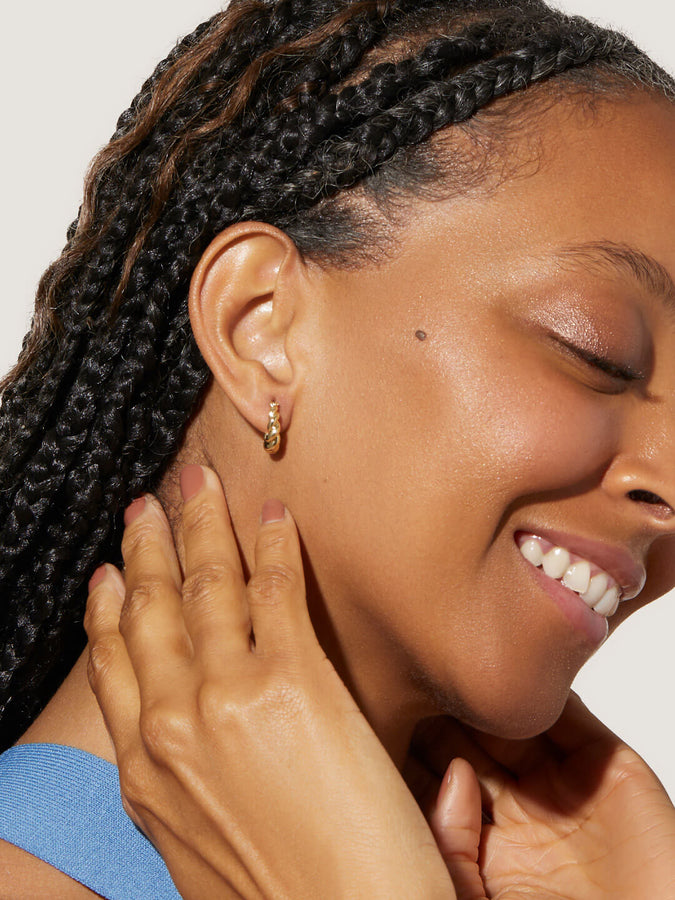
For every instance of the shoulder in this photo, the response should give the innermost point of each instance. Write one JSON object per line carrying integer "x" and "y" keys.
{"x": 71, "y": 718}
{"x": 24, "y": 877}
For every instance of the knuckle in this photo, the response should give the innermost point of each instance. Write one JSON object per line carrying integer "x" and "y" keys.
{"x": 210, "y": 580}
{"x": 274, "y": 540}
{"x": 90, "y": 617}
{"x": 93, "y": 612}
{"x": 165, "y": 731}
{"x": 270, "y": 585}
{"x": 138, "y": 538}
{"x": 199, "y": 517}
{"x": 140, "y": 600}
{"x": 134, "y": 778}
{"x": 103, "y": 604}
{"x": 213, "y": 705}
{"x": 239, "y": 713}
{"x": 102, "y": 654}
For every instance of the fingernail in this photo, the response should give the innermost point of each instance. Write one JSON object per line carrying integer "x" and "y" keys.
{"x": 272, "y": 511}
{"x": 443, "y": 794}
{"x": 191, "y": 481}
{"x": 134, "y": 510}
{"x": 96, "y": 578}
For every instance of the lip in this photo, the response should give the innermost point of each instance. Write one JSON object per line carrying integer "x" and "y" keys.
{"x": 581, "y": 617}
{"x": 629, "y": 575}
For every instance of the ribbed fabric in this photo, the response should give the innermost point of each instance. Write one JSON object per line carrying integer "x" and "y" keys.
{"x": 63, "y": 806}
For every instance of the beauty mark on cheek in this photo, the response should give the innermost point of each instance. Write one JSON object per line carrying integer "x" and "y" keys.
{"x": 421, "y": 335}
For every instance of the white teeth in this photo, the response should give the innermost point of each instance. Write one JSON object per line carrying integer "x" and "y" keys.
{"x": 556, "y": 562}
{"x": 598, "y": 592}
{"x": 609, "y": 603}
{"x": 578, "y": 576}
{"x": 596, "y": 589}
{"x": 532, "y": 551}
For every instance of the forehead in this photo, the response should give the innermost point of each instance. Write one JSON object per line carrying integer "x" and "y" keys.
{"x": 602, "y": 194}
{"x": 600, "y": 201}
{"x": 619, "y": 160}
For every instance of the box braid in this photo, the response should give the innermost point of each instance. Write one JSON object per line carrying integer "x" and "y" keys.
{"x": 270, "y": 110}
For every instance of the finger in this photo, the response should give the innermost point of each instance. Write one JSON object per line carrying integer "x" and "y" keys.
{"x": 276, "y": 590}
{"x": 456, "y": 825}
{"x": 214, "y": 593}
{"x": 439, "y": 740}
{"x": 110, "y": 672}
{"x": 147, "y": 545}
{"x": 151, "y": 620}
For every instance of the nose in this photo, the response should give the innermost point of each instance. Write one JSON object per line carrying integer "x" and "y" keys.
{"x": 642, "y": 476}
{"x": 654, "y": 504}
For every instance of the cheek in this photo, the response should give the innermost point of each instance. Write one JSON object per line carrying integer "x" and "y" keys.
{"x": 433, "y": 437}
{"x": 523, "y": 431}
{"x": 421, "y": 453}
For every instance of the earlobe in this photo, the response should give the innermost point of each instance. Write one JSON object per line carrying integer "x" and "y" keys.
{"x": 243, "y": 301}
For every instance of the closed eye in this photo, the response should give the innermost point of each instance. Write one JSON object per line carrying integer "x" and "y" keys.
{"x": 604, "y": 364}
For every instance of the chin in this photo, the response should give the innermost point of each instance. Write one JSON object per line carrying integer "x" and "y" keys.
{"x": 518, "y": 715}
{"x": 519, "y": 728}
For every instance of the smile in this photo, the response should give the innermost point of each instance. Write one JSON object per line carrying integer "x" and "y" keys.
{"x": 595, "y": 587}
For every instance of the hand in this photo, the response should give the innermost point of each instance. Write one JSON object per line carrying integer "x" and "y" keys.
{"x": 575, "y": 813}
{"x": 241, "y": 753}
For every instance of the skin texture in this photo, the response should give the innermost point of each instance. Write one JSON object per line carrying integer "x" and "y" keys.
{"x": 325, "y": 773}
{"x": 486, "y": 427}
{"x": 409, "y": 465}
{"x": 254, "y": 773}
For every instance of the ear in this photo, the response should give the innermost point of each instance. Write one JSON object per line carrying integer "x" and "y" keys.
{"x": 244, "y": 298}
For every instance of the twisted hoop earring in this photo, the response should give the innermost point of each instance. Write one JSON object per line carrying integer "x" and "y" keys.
{"x": 272, "y": 438}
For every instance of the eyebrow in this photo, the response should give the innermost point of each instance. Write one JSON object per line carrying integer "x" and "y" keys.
{"x": 650, "y": 274}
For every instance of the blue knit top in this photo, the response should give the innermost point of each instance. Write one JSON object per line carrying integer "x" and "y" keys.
{"x": 63, "y": 806}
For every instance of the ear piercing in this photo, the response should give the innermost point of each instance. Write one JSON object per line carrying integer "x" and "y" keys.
{"x": 272, "y": 438}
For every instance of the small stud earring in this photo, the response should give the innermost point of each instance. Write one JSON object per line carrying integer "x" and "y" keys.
{"x": 272, "y": 439}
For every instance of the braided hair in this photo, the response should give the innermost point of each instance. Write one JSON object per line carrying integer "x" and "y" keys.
{"x": 312, "y": 115}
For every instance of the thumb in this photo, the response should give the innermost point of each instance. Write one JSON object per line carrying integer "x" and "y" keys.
{"x": 456, "y": 825}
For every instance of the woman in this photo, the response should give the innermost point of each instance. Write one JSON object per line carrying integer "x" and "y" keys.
{"x": 464, "y": 379}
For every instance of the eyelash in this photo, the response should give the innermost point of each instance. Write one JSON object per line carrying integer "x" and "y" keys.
{"x": 605, "y": 365}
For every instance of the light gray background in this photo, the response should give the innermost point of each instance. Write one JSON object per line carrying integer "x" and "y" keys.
{"x": 68, "y": 69}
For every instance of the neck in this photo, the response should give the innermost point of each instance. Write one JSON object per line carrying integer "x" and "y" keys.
{"x": 73, "y": 718}
{"x": 379, "y": 686}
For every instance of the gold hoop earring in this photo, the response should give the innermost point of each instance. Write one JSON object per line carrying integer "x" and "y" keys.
{"x": 272, "y": 439}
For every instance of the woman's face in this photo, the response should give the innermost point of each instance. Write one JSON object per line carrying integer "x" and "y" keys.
{"x": 509, "y": 372}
